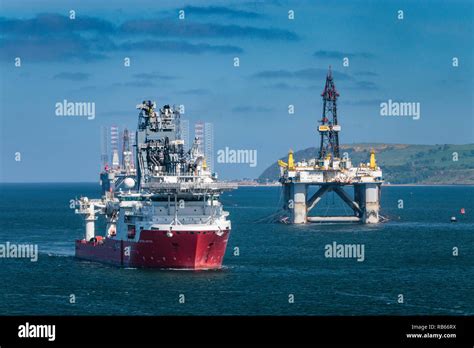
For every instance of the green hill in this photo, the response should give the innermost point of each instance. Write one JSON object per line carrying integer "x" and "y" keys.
{"x": 404, "y": 164}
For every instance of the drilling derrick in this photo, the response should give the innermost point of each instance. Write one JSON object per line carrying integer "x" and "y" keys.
{"x": 331, "y": 174}
{"x": 329, "y": 128}
{"x": 126, "y": 153}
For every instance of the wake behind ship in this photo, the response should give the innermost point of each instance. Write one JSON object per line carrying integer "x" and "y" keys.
{"x": 165, "y": 213}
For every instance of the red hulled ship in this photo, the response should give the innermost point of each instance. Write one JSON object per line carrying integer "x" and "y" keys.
{"x": 165, "y": 213}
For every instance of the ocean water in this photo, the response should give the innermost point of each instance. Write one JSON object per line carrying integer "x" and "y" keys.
{"x": 411, "y": 255}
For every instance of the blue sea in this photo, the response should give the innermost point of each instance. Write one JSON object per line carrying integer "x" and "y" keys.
{"x": 279, "y": 270}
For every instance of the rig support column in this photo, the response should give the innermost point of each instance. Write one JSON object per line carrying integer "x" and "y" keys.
{"x": 298, "y": 193}
{"x": 367, "y": 195}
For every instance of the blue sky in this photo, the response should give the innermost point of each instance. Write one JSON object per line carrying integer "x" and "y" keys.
{"x": 190, "y": 62}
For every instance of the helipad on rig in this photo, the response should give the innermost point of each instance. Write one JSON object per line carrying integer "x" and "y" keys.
{"x": 331, "y": 173}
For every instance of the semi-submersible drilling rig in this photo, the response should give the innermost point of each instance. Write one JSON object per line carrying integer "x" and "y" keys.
{"x": 331, "y": 173}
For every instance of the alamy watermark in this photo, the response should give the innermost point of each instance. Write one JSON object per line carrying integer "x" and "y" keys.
{"x": 37, "y": 331}
{"x": 67, "y": 108}
{"x": 228, "y": 155}
{"x": 25, "y": 251}
{"x": 394, "y": 108}
{"x": 347, "y": 251}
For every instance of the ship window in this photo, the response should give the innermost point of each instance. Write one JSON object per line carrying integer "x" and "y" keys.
{"x": 131, "y": 231}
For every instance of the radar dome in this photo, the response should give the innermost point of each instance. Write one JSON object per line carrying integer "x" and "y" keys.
{"x": 129, "y": 183}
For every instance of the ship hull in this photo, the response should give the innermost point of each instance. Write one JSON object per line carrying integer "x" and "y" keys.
{"x": 194, "y": 250}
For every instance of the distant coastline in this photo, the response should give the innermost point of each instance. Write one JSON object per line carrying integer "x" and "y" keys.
{"x": 276, "y": 184}
{"x": 245, "y": 183}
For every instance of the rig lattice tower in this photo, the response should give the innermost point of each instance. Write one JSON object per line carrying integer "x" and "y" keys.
{"x": 329, "y": 128}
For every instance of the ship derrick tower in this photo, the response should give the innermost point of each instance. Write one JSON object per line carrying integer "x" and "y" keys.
{"x": 330, "y": 173}
{"x": 126, "y": 153}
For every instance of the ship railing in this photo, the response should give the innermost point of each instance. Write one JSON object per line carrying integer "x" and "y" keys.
{"x": 189, "y": 186}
